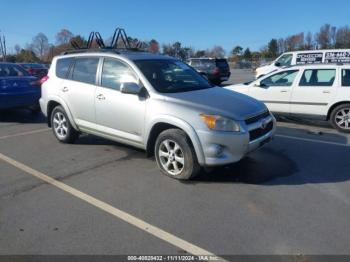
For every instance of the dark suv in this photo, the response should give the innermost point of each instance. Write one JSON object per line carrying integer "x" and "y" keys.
{"x": 216, "y": 70}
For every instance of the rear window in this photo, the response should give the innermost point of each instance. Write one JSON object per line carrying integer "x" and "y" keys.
{"x": 7, "y": 70}
{"x": 318, "y": 77}
{"x": 345, "y": 77}
{"x": 221, "y": 63}
{"x": 62, "y": 67}
{"x": 208, "y": 63}
{"x": 85, "y": 70}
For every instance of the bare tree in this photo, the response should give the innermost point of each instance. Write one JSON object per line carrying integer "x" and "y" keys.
{"x": 17, "y": 48}
{"x": 40, "y": 45}
{"x": 326, "y": 36}
{"x": 3, "y": 52}
{"x": 281, "y": 45}
{"x": 342, "y": 37}
{"x": 217, "y": 51}
{"x": 64, "y": 36}
{"x": 309, "y": 41}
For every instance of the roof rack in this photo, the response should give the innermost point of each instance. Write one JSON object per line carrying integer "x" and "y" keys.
{"x": 119, "y": 37}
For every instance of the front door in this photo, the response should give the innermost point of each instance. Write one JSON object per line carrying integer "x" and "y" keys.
{"x": 275, "y": 90}
{"x": 118, "y": 114}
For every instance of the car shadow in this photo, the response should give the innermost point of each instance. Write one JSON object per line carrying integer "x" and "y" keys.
{"x": 268, "y": 166}
{"x": 21, "y": 116}
{"x": 261, "y": 167}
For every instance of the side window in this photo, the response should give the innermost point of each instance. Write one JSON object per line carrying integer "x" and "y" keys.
{"x": 285, "y": 78}
{"x": 115, "y": 72}
{"x": 62, "y": 67}
{"x": 345, "y": 77}
{"x": 318, "y": 77}
{"x": 285, "y": 60}
{"x": 85, "y": 70}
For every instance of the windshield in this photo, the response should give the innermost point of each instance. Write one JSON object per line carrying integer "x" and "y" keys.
{"x": 172, "y": 76}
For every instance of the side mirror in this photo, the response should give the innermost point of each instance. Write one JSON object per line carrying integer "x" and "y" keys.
{"x": 278, "y": 64}
{"x": 130, "y": 88}
{"x": 260, "y": 84}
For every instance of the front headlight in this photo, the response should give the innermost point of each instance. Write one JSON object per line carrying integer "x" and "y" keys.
{"x": 219, "y": 123}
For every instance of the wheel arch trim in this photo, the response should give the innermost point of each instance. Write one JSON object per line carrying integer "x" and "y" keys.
{"x": 181, "y": 124}
{"x": 61, "y": 102}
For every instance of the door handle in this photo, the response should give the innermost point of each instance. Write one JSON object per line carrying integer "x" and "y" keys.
{"x": 326, "y": 92}
{"x": 101, "y": 97}
{"x": 284, "y": 91}
{"x": 65, "y": 89}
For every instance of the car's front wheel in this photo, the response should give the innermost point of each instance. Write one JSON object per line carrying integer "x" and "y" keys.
{"x": 61, "y": 126}
{"x": 340, "y": 118}
{"x": 175, "y": 155}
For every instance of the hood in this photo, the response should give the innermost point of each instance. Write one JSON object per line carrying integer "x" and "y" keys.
{"x": 219, "y": 101}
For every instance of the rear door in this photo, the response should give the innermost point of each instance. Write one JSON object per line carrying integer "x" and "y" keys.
{"x": 315, "y": 90}
{"x": 78, "y": 91}
{"x": 275, "y": 90}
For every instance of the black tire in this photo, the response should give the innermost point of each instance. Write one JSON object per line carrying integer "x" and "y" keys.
{"x": 70, "y": 135}
{"x": 334, "y": 118}
{"x": 190, "y": 167}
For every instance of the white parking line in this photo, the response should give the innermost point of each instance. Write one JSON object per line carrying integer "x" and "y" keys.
{"x": 25, "y": 133}
{"x": 153, "y": 230}
{"x": 313, "y": 140}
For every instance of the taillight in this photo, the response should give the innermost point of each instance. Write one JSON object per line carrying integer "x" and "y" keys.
{"x": 30, "y": 71}
{"x": 40, "y": 81}
{"x": 43, "y": 80}
{"x": 216, "y": 71}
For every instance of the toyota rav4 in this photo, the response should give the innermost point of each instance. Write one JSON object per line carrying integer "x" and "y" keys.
{"x": 156, "y": 103}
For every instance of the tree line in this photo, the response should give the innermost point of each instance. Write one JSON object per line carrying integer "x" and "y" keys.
{"x": 328, "y": 36}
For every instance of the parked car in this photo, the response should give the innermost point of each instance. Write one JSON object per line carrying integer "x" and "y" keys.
{"x": 155, "y": 103}
{"x": 305, "y": 57}
{"x": 311, "y": 91}
{"x": 216, "y": 70}
{"x": 18, "y": 89}
{"x": 37, "y": 70}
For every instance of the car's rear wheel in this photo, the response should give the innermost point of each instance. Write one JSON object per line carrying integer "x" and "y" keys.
{"x": 61, "y": 126}
{"x": 175, "y": 155}
{"x": 340, "y": 118}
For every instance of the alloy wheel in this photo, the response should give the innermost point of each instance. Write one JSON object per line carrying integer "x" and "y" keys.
{"x": 171, "y": 157}
{"x": 60, "y": 125}
{"x": 342, "y": 118}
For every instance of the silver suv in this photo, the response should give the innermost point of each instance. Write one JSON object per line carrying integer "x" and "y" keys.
{"x": 156, "y": 103}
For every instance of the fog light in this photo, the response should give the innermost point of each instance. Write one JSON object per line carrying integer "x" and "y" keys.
{"x": 215, "y": 151}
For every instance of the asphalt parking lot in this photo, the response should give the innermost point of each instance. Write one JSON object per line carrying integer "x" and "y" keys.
{"x": 290, "y": 197}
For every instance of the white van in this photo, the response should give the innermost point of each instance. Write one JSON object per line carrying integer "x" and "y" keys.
{"x": 332, "y": 56}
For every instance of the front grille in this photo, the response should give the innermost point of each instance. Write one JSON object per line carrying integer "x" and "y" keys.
{"x": 257, "y": 118}
{"x": 259, "y": 132}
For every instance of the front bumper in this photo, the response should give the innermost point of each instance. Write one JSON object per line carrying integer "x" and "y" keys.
{"x": 222, "y": 148}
